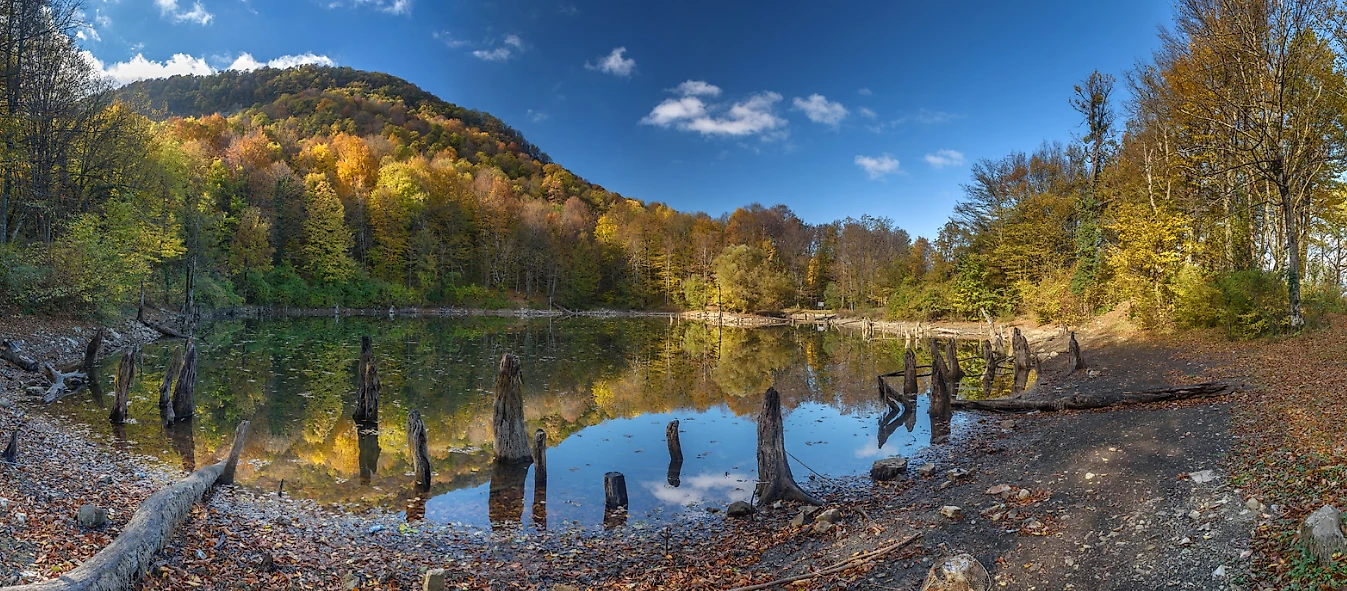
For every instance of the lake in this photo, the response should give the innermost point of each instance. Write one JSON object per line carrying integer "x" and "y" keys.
{"x": 602, "y": 389}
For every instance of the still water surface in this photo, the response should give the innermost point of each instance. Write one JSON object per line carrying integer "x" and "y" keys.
{"x": 602, "y": 389}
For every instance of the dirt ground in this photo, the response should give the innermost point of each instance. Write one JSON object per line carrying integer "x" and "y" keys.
{"x": 1118, "y": 499}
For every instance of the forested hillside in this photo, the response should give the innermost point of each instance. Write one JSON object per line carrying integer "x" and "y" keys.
{"x": 317, "y": 186}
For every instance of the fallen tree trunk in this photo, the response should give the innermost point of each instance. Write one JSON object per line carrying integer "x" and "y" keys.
{"x": 160, "y": 328}
{"x": 1100, "y": 400}
{"x": 11, "y": 351}
{"x": 125, "y": 560}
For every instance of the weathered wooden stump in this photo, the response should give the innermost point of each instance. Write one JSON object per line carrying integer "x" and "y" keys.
{"x": 184, "y": 400}
{"x": 940, "y": 383}
{"x": 675, "y": 472}
{"x": 367, "y": 389}
{"x": 775, "y": 482}
{"x": 420, "y": 450}
{"x": 1321, "y": 534}
{"x": 512, "y": 444}
{"x": 126, "y": 373}
{"x": 1022, "y": 362}
{"x": 166, "y": 387}
{"x": 952, "y": 365}
{"x": 540, "y": 459}
{"x": 231, "y": 464}
{"x": 91, "y": 351}
{"x": 1077, "y": 360}
{"x": 614, "y": 490}
{"x": 910, "y": 374}
{"x": 990, "y": 360}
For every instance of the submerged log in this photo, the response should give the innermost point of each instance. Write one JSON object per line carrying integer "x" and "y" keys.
{"x": 91, "y": 351}
{"x": 1077, "y": 360}
{"x": 416, "y": 443}
{"x": 123, "y": 562}
{"x": 11, "y": 351}
{"x": 367, "y": 392}
{"x": 184, "y": 392}
{"x": 126, "y": 373}
{"x": 512, "y": 443}
{"x": 990, "y": 361}
{"x": 1100, "y": 400}
{"x": 775, "y": 482}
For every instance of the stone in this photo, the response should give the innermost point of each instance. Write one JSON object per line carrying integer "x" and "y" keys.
{"x": 1185, "y": 541}
{"x": 1203, "y": 476}
{"x": 91, "y": 516}
{"x": 823, "y": 527}
{"x": 1321, "y": 534}
{"x": 951, "y": 511}
{"x": 799, "y": 520}
{"x": 999, "y": 489}
{"x": 957, "y": 573}
{"x": 1023, "y": 494}
{"x": 956, "y": 474}
{"x": 1034, "y": 524}
{"x": 888, "y": 469}
{"x": 4, "y": 503}
{"x": 20, "y": 518}
{"x": 349, "y": 581}
{"x": 1219, "y": 573}
{"x": 778, "y": 505}
{"x": 1253, "y": 505}
{"x": 1008, "y": 425}
{"x": 1194, "y": 515}
{"x": 926, "y": 469}
{"x": 434, "y": 581}
{"x": 739, "y": 510}
{"x": 830, "y": 516}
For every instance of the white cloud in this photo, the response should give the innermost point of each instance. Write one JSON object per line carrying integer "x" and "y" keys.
{"x": 537, "y": 116}
{"x": 672, "y": 110}
{"x": 929, "y": 117}
{"x": 880, "y": 167}
{"x": 696, "y": 88}
{"x": 140, "y": 68}
{"x": 246, "y": 63}
{"x": 389, "y": 6}
{"x": 865, "y": 91}
{"x": 943, "y": 158}
{"x": 867, "y": 113}
{"x": 511, "y": 46}
{"x": 448, "y": 39}
{"x": 171, "y": 10}
{"x": 820, "y": 110}
{"x": 614, "y": 63}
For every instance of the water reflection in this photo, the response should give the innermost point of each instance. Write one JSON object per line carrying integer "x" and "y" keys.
{"x": 602, "y": 390}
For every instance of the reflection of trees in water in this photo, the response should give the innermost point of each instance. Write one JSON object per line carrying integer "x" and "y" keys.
{"x": 295, "y": 379}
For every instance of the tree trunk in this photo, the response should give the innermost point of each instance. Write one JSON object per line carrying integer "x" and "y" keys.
{"x": 91, "y": 351}
{"x": 231, "y": 464}
{"x": 990, "y": 360}
{"x": 11, "y": 351}
{"x": 416, "y": 443}
{"x": 512, "y": 444}
{"x": 955, "y": 372}
{"x": 59, "y": 388}
{"x": 1289, "y": 220}
{"x": 675, "y": 472}
{"x": 540, "y": 459}
{"x": 505, "y": 494}
{"x": 1077, "y": 360}
{"x": 184, "y": 393}
{"x": 775, "y": 481}
{"x": 1099, "y": 400}
{"x": 367, "y": 392}
{"x": 940, "y": 395}
{"x": 1021, "y": 347}
{"x": 910, "y": 374}
{"x": 126, "y": 373}
{"x": 122, "y": 563}
{"x": 166, "y": 386}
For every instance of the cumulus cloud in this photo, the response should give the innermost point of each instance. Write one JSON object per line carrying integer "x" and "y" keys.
{"x": 614, "y": 63}
{"x": 140, "y": 68}
{"x": 510, "y": 47}
{"x": 865, "y": 91}
{"x": 821, "y": 110}
{"x": 755, "y": 115}
{"x": 943, "y": 158}
{"x": 878, "y": 168}
{"x": 171, "y": 10}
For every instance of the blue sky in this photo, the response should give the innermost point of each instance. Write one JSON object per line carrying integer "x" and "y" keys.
{"x": 835, "y": 110}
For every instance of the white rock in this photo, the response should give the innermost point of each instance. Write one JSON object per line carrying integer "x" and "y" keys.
{"x": 1203, "y": 476}
{"x": 20, "y": 518}
{"x": 1254, "y": 505}
{"x": 1219, "y": 573}
{"x": 951, "y": 511}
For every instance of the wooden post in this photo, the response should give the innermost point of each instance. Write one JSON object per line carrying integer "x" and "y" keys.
{"x": 614, "y": 490}
{"x": 540, "y": 458}
{"x": 231, "y": 464}
{"x": 775, "y": 482}
{"x": 91, "y": 351}
{"x": 512, "y": 444}
{"x": 184, "y": 402}
{"x": 1077, "y": 360}
{"x": 126, "y": 373}
{"x": 940, "y": 404}
{"x": 989, "y": 372}
{"x": 367, "y": 390}
{"x": 910, "y": 374}
{"x": 1022, "y": 361}
{"x": 955, "y": 372}
{"x": 675, "y": 473}
{"x": 416, "y": 442}
{"x": 11, "y": 454}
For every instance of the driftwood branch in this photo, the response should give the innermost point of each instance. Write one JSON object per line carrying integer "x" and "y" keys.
{"x": 11, "y": 351}
{"x": 125, "y": 560}
{"x": 1099, "y": 400}
{"x": 852, "y": 562}
{"x": 59, "y": 388}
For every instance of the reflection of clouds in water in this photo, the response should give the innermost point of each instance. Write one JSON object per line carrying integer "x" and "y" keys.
{"x": 869, "y": 450}
{"x": 731, "y": 486}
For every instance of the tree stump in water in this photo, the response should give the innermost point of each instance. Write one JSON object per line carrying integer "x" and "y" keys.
{"x": 184, "y": 401}
{"x": 367, "y": 390}
{"x": 126, "y": 373}
{"x": 775, "y": 482}
{"x": 166, "y": 387}
{"x": 512, "y": 443}
{"x": 1021, "y": 347}
{"x": 540, "y": 458}
{"x": 955, "y": 374}
{"x": 91, "y": 351}
{"x": 940, "y": 394}
{"x": 910, "y": 374}
{"x": 231, "y": 463}
{"x": 1077, "y": 360}
{"x": 420, "y": 450}
{"x": 675, "y": 473}
{"x": 990, "y": 360}
{"x": 614, "y": 490}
